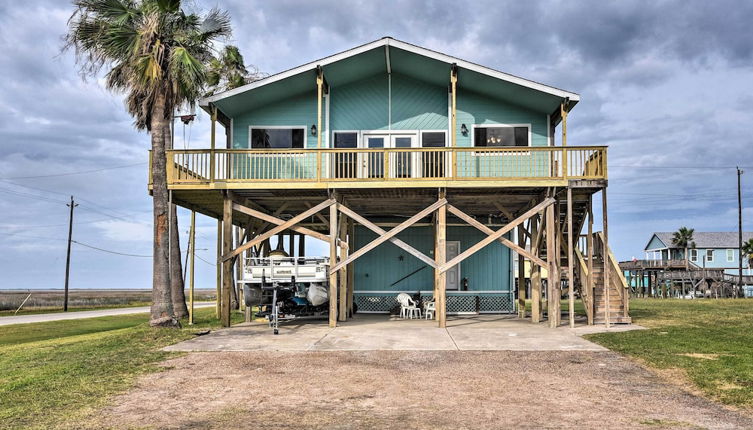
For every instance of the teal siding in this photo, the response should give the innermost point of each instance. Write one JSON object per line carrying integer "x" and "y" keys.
{"x": 417, "y": 105}
{"x": 295, "y": 111}
{"x": 360, "y": 105}
{"x": 474, "y": 108}
{"x": 488, "y": 269}
{"x": 655, "y": 243}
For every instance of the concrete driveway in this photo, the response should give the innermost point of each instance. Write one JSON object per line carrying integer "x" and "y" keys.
{"x": 370, "y": 332}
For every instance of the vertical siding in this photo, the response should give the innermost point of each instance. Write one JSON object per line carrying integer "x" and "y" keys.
{"x": 488, "y": 269}
{"x": 295, "y": 111}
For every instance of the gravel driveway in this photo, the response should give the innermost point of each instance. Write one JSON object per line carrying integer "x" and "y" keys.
{"x": 412, "y": 390}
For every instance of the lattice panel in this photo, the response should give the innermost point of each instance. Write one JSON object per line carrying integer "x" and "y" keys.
{"x": 375, "y": 303}
{"x": 464, "y": 303}
{"x": 496, "y": 303}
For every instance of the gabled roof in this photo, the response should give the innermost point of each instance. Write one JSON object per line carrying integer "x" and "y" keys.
{"x": 390, "y": 54}
{"x": 723, "y": 239}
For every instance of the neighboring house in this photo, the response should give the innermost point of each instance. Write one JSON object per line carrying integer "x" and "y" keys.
{"x": 392, "y": 136}
{"x": 713, "y": 250}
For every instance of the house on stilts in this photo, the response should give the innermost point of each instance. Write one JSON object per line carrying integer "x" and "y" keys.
{"x": 422, "y": 172}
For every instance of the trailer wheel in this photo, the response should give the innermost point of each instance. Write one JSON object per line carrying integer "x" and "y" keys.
{"x": 277, "y": 331}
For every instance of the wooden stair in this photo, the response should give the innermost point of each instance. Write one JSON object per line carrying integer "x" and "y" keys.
{"x": 617, "y": 304}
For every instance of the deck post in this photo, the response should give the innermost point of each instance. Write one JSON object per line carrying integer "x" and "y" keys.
{"x": 535, "y": 271}
{"x": 590, "y": 261}
{"x": 192, "y": 253}
{"x": 440, "y": 253}
{"x": 218, "y": 269}
{"x": 605, "y": 256}
{"x": 522, "y": 274}
{"x": 570, "y": 269}
{"x": 552, "y": 275}
{"x": 350, "y": 268}
{"x": 332, "y": 261}
{"x": 343, "y": 272}
{"x": 227, "y": 265}
{"x": 453, "y": 119}
{"x": 212, "y": 142}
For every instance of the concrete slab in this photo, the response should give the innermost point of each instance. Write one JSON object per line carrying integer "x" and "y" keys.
{"x": 384, "y": 333}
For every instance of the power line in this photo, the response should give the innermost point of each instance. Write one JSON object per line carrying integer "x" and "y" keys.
{"x": 80, "y": 172}
{"x": 109, "y": 251}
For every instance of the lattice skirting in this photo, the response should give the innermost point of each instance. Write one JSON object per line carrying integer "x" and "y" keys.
{"x": 457, "y": 303}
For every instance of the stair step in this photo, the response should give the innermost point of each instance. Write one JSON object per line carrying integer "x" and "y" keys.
{"x": 614, "y": 320}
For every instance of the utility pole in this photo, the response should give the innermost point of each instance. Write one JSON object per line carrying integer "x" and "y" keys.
{"x": 739, "y": 233}
{"x": 71, "y": 205}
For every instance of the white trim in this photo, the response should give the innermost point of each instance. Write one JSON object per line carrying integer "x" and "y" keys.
{"x": 693, "y": 255}
{"x": 460, "y": 277}
{"x": 280, "y": 127}
{"x": 388, "y": 41}
{"x": 387, "y": 58}
{"x": 706, "y": 257}
{"x": 449, "y": 114}
{"x": 548, "y": 131}
{"x": 729, "y": 252}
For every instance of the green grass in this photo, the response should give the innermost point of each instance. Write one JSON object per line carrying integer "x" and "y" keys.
{"x": 56, "y": 374}
{"x": 711, "y": 341}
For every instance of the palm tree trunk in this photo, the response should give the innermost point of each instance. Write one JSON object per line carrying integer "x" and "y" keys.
{"x": 177, "y": 285}
{"x": 162, "y": 313}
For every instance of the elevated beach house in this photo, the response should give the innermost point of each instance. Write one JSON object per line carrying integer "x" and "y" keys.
{"x": 422, "y": 172}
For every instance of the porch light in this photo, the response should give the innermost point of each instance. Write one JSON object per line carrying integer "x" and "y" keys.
{"x": 464, "y": 130}
{"x": 313, "y": 129}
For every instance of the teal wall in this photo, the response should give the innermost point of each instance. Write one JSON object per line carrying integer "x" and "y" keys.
{"x": 360, "y": 105}
{"x": 488, "y": 269}
{"x": 295, "y": 111}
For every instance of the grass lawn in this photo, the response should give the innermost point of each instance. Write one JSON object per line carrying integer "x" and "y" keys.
{"x": 710, "y": 341}
{"x": 54, "y": 374}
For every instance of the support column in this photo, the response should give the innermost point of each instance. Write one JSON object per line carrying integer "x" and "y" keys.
{"x": 570, "y": 258}
{"x": 590, "y": 261}
{"x": 218, "y": 269}
{"x": 191, "y": 277}
{"x": 440, "y": 253}
{"x": 605, "y": 255}
{"x": 342, "y": 273}
{"x": 227, "y": 265}
{"x": 553, "y": 274}
{"x": 522, "y": 274}
{"x": 536, "y": 310}
{"x": 332, "y": 261}
{"x": 351, "y": 268}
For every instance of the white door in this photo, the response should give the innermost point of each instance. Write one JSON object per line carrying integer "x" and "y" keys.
{"x": 372, "y": 163}
{"x": 453, "y": 274}
{"x": 403, "y": 164}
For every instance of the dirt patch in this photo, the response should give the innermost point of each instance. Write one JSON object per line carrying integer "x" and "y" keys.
{"x": 411, "y": 390}
{"x": 701, "y": 356}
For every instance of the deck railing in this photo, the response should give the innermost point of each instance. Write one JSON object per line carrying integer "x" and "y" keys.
{"x": 386, "y": 164}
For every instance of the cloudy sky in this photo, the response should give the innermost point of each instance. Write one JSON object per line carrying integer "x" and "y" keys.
{"x": 668, "y": 85}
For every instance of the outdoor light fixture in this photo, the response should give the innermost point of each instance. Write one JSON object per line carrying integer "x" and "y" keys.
{"x": 313, "y": 129}
{"x": 464, "y": 130}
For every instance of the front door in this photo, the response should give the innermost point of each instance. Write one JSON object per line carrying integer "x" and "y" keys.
{"x": 403, "y": 163}
{"x": 372, "y": 162}
{"x": 453, "y": 274}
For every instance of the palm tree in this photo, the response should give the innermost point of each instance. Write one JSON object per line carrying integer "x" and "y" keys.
{"x": 683, "y": 238}
{"x": 156, "y": 55}
{"x": 747, "y": 250}
{"x": 229, "y": 71}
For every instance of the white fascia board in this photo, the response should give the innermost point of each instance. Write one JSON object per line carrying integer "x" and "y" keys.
{"x": 387, "y": 41}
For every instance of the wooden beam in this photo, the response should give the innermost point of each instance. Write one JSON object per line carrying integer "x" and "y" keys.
{"x": 351, "y": 267}
{"x": 277, "y": 221}
{"x": 504, "y": 211}
{"x": 343, "y": 280}
{"x": 392, "y": 233}
{"x": 472, "y": 221}
{"x": 590, "y": 261}
{"x": 227, "y": 264}
{"x": 570, "y": 258}
{"x": 605, "y": 255}
{"x": 440, "y": 276}
{"x": 536, "y": 311}
{"x": 380, "y": 231}
{"x": 319, "y": 85}
{"x": 332, "y": 260}
{"x": 218, "y": 269}
{"x": 496, "y": 235}
{"x": 521, "y": 274}
{"x": 318, "y": 215}
{"x": 552, "y": 275}
{"x": 286, "y": 225}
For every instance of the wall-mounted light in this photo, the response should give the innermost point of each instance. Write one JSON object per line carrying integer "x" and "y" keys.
{"x": 313, "y": 129}
{"x": 464, "y": 130}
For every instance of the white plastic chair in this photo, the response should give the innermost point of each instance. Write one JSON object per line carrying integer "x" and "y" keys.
{"x": 429, "y": 308}
{"x": 408, "y": 308}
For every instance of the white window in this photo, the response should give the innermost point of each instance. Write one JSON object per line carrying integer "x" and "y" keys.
{"x": 501, "y": 135}
{"x": 710, "y": 255}
{"x": 275, "y": 137}
{"x": 730, "y": 255}
{"x": 693, "y": 255}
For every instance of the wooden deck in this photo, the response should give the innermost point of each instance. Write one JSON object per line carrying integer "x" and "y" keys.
{"x": 447, "y": 167}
